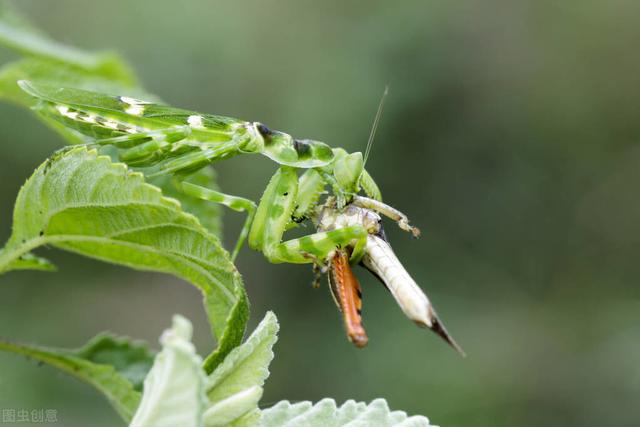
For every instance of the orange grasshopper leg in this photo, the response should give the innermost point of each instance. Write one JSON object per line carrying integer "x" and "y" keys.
{"x": 348, "y": 296}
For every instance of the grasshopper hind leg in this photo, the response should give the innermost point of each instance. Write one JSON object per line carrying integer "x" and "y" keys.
{"x": 347, "y": 294}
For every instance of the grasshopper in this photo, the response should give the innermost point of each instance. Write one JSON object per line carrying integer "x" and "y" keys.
{"x": 156, "y": 139}
{"x": 379, "y": 259}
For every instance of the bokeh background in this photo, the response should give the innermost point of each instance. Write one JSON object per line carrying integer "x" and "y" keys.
{"x": 510, "y": 136}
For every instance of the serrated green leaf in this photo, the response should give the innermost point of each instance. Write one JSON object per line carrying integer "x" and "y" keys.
{"x": 84, "y": 203}
{"x": 325, "y": 413}
{"x": 235, "y": 387}
{"x": 106, "y": 378}
{"x": 226, "y": 411}
{"x": 247, "y": 365}
{"x": 233, "y": 331}
{"x": 174, "y": 389}
{"x": 250, "y": 419}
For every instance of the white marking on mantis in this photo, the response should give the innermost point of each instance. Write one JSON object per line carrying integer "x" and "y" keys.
{"x": 62, "y": 109}
{"x": 111, "y": 124}
{"x": 89, "y": 118}
{"x": 132, "y": 101}
{"x": 134, "y": 110}
{"x": 135, "y": 106}
{"x": 132, "y": 130}
{"x": 195, "y": 121}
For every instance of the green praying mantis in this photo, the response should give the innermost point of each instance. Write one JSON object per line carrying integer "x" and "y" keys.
{"x": 161, "y": 140}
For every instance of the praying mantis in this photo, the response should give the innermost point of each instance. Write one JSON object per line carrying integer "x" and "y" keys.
{"x": 161, "y": 140}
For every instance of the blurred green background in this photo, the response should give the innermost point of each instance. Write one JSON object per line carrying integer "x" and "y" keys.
{"x": 511, "y": 137}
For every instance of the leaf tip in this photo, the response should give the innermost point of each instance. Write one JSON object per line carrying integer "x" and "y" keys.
{"x": 180, "y": 328}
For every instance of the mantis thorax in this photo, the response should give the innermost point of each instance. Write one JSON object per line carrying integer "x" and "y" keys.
{"x": 289, "y": 151}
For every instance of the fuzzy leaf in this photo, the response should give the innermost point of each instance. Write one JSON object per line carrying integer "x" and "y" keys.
{"x": 132, "y": 359}
{"x": 250, "y": 419}
{"x": 228, "y": 410}
{"x": 326, "y": 414}
{"x": 84, "y": 203}
{"x": 174, "y": 389}
{"x": 235, "y": 387}
{"x": 93, "y": 364}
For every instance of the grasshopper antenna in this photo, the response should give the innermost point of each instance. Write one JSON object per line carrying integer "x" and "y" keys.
{"x": 372, "y": 135}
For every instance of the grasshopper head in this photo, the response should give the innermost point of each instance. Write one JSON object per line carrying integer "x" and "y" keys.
{"x": 286, "y": 150}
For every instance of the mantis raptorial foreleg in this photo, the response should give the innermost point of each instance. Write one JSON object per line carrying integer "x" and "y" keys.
{"x": 317, "y": 246}
{"x": 369, "y": 186}
{"x": 310, "y": 187}
{"x": 238, "y": 204}
{"x": 277, "y": 204}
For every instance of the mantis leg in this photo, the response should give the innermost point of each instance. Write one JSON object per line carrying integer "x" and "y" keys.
{"x": 369, "y": 186}
{"x": 274, "y": 212}
{"x": 310, "y": 187}
{"x": 238, "y": 204}
{"x": 315, "y": 247}
{"x": 388, "y": 211}
{"x": 171, "y": 134}
{"x": 140, "y": 147}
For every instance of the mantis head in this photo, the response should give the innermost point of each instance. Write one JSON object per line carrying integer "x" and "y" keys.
{"x": 350, "y": 176}
{"x": 347, "y": 170}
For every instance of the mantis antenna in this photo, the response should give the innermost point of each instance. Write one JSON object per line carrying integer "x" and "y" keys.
{"x": 374, "y": 127}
